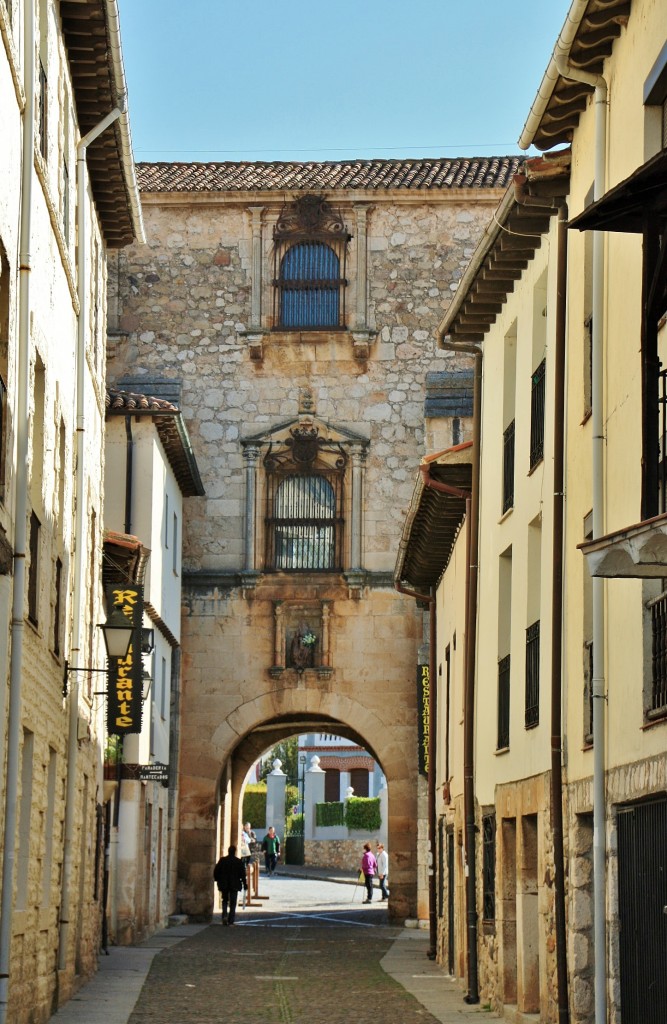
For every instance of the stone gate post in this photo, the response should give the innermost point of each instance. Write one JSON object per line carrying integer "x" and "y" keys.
{"x": 313, "y": 793}
{"x": 275, "y": 799}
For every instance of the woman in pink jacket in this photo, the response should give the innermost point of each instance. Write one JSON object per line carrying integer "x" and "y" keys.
{"x": 369, "y": 869}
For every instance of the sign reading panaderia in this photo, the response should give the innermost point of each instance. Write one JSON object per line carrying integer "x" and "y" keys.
{"x": 423, "y": 690}
{"x": 156, "y": 772}
{"x": 124, "y": 681}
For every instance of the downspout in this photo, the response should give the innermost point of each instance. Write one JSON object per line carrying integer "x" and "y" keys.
{"x": 472, "y": 996}
{"x": 525, "y": 199}
{"x": 78, "y": 594}
{"x": 129, "y": 467}
{"x": 599, "y": 796}
{"x": 20, "y": 511}
{"x": 432, "y": 753}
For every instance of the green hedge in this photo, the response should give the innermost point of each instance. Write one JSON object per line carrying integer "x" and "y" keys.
{"x": 363, "y": 813}
{"x": 291, "y": 799}
{"x": 254, "y": 804}
{"x": 294, "y": 825}
{"x": 330, "y": 814}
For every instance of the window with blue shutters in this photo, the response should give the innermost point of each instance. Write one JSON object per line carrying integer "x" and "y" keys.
{"x": 310, "y": 253}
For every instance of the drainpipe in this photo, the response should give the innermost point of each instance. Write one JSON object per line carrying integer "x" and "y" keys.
{"x": 432, "y": 752}
{"x": 129, "y": 465}
{"x": 557, "y": 590}
{"x": 20, "y": 510}
{"x": 469, "y": 348}
{"x": 78, "y": 595}
{"x": 599, "y": 697}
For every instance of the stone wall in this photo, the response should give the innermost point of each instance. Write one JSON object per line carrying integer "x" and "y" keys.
{"x": 182, "y": 311}
{"x": 344, "y": 854}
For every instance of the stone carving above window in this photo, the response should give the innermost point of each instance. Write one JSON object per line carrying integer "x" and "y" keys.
{"x": 302, "y": 640}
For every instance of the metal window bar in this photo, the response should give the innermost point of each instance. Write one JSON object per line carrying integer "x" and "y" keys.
{"x": 588, "y": 692}
{"x": 508, "y": 467}
{"x": 66, "y": 202}
{"x": 533, "y": 675}
{"x": 310, "y": 292}
{"x": 33, "y": 544}
{"x": 41, "y": 124}
{"x": 537, "y": 399}
{"x": 658, "y": 609}
{"x": 489, "y": 867}
{"x": 304, "y": 522}
{"x": 57, "y": 608}
{"x": 503, "y": 703}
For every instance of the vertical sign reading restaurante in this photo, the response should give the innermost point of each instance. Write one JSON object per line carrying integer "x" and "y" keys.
{"x": 124, "y": 681}
{"x": 423, "y": 689}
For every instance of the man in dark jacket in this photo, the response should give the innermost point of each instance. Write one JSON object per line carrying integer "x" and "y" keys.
{"x": 230, "y": 877}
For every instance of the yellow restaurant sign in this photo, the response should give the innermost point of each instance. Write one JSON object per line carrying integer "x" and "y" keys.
{"x": 124, "y": 703}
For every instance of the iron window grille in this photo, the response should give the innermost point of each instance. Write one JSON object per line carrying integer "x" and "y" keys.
{"x": 66, "y": 202}
{"x": 508, "y": 467}
{"x": 33, "y": 568}
{"x": 304, "y": 521}
{"x": 489, "y": 867}
{"x": 537, "y": 400}
{"x": 503, "y": 703}
{"x": 533, "y": 675}
{"x": 662, "y": 442}
{"x": 658, "y": 696}
{"x": 310, "y": 260}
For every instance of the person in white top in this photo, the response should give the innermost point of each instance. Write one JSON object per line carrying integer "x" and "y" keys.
{"x": 383, "y": 870}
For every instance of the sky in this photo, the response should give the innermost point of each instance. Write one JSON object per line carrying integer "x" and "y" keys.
{"x": 212, "y": 80}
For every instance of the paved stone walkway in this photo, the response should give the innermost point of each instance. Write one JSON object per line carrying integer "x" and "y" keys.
{"x": 311, "y": 954}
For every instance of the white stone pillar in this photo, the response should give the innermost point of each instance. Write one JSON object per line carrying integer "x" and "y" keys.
{"x": 250, "y": 457}
{"x": 313, "y": 793}
{"x": 345, "y": 786}
{"x": 275, "y": 800}
{"x": 384, "y": 812}
{"x": 256, "y": 291}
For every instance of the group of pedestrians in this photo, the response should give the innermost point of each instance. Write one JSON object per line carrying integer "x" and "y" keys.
{"x": 231, "y": 872}
{"x": 372, "y": 865}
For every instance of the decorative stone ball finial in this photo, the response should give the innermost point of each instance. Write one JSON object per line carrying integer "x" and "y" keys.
{"x": 349, "y": 792}
{"x": 315, "y": 764}
{"x": 277, "y": 766}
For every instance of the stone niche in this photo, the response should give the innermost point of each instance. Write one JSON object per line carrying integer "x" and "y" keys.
{"x": 301, "y": 638}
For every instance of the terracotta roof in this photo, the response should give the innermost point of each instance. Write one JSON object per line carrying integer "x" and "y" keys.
{"x": 428, "y": 174}
{"x": 171, "y": 430}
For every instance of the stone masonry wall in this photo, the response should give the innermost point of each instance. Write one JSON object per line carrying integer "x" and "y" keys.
{"x": 181, "y": 311}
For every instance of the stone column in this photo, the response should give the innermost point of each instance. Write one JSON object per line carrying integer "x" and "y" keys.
{"x": 256, "y": 292}
{"x": 313, "y": 793}
{"x": 358, "y": 455}
{"x": 361, "y": 210}
{"x": 275, "y": 800}
{"x": 250, "y": 456}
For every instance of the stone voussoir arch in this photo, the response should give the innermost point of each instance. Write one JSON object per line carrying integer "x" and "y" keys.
{"x": 234, "y": 745}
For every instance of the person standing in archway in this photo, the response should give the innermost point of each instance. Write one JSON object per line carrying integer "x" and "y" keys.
{"x": 369, "y": 868}
{"x": 271, "y": 848}
{"x": 383, "y": 869}
{"x": 230, "y": 877}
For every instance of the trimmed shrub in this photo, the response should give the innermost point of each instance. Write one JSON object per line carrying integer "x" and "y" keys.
{"x": 291, "y": 799}
{"x": 330, "y": 814}
{"x": 363, "y": 813}
{"x": 254, "y": 804}
{"x": 294, "y": 825}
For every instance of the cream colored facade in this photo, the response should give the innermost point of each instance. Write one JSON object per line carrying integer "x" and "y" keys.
{"x": 50, "y": 740}
{"x": 519, "y": 950}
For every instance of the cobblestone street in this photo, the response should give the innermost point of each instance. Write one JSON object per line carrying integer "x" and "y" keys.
{"x": 311, "y": 954}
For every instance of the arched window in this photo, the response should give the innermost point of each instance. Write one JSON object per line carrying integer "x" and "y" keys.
{"x": 309, "y": 285}
{"x": 310, "y": 252}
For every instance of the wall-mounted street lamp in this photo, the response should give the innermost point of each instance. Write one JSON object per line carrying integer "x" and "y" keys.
{"x": 117, "y": 632}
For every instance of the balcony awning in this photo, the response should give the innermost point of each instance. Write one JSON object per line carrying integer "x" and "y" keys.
{"x": 434, "y": 519}
{"x": 626, "y": 206}
{"x": 635, "y": 552}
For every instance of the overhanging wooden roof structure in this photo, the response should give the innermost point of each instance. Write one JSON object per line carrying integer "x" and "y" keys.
{"x": 507, "y": 246}
{"x": 434, "y": 519}
{"x": 586, "y": 39}
{"x": 91, "y": 33}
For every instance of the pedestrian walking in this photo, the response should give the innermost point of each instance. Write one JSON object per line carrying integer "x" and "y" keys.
{"x": 369, "y": 869}
{"x": 383, "y": 869}
{"x": 271, "y": 848}
{"x": 230, "y": 877}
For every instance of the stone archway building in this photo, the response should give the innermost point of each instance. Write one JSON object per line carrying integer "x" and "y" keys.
{"x": 291, "y": 308}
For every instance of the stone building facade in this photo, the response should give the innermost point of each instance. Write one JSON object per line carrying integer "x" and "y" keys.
{"x": 54, "y": 234}
{"x": 303, "y": 389}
